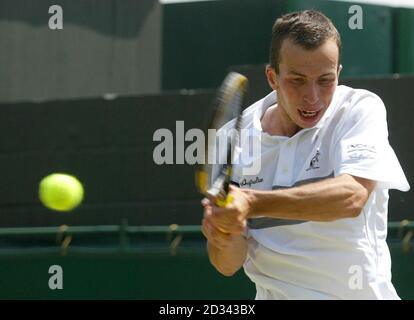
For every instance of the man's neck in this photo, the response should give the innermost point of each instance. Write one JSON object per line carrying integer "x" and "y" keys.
{"x": 276, "y": 122}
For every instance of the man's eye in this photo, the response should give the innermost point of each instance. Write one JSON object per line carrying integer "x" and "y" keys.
{"x": 325, "y": 81}
{"x": 298, "y": 81}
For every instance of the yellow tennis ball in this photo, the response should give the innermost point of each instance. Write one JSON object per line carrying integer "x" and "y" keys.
{"x": 61, "y": 192}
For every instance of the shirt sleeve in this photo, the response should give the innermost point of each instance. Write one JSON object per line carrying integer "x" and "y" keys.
{"x": 361, "y": 147}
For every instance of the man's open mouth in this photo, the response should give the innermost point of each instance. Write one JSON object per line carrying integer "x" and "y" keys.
{"x": 308, "y": 114}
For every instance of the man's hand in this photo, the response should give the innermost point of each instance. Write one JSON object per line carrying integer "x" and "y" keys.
{"x": 216, "y": 237}
{"x": 220, "y": 223}
{"x": 223, "y": 228}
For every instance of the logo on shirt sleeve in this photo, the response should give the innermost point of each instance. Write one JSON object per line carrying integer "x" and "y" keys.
{"x": 361, "y": 151}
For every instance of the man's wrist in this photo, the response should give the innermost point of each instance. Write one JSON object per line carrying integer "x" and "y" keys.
{"x": 252, "y": 200}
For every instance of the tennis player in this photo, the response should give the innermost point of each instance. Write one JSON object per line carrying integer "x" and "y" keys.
{"x": 312, "y": 223}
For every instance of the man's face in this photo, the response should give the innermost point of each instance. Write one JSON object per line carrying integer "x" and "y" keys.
{"x": 306, "y": 82}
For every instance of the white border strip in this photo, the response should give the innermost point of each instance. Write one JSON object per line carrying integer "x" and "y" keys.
{"x": 389, "y": 3}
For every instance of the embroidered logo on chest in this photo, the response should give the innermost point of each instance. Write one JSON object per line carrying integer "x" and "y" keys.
{"x": 314, "y": 163}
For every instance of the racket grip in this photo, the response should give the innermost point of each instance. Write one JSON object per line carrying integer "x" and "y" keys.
{"x": 224, "y": 202}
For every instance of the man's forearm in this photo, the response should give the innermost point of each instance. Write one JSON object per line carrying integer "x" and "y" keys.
{"x": 230, "y": 259}
{"x": 327, "y": 200}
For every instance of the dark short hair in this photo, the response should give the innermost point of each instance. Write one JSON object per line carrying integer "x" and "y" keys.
{"x": 309, "y": 29}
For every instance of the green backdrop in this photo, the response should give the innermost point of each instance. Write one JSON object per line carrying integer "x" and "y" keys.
{"x": 111, "y": 262}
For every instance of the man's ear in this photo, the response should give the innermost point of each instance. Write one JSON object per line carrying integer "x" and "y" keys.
{"x": 272, "y": 78}
{"x": 339, "y": 69}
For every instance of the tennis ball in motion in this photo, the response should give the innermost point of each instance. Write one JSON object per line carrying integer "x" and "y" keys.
{"x": 61, "y": 192}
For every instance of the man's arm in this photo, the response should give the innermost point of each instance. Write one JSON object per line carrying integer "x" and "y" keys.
{"x": 331, "y": 199}
{"x": 327, "y": 200}
{"x": 229, "y": 260}
{"x": 227, "y": 252}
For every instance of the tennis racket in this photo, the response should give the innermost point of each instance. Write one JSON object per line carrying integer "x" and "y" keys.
{"x": 213, "y": 177}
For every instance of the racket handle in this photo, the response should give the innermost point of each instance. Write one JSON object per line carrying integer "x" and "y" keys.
{"x": 224, "y": 202}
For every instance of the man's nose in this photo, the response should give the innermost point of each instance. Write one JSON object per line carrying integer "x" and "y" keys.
{"x": 311, "y": 94}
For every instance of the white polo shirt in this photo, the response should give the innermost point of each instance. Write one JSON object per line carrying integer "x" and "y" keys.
{"x": 343, "y": 259}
